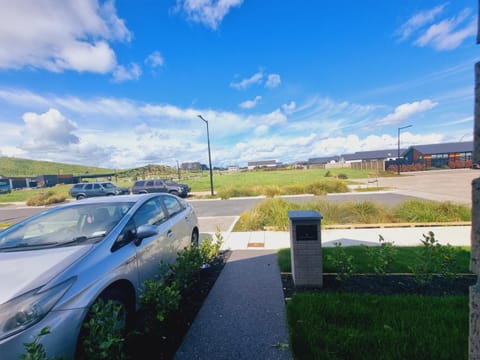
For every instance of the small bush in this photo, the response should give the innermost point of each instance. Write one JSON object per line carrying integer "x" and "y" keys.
{"x": 45, "y": 198}
{"x": 342, "y": 262}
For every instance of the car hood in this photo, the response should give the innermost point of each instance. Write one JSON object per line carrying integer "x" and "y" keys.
{"x": 22, "y": 271}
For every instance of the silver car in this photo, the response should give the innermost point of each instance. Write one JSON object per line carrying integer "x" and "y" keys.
{"x": 55, "y": 265}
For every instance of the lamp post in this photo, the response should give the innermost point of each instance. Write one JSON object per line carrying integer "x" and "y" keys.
{"x": 398, "y": 151}
{"x": 209, "y": 156}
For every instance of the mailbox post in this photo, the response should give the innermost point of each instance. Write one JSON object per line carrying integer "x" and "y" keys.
{"x": 306, "y": 248}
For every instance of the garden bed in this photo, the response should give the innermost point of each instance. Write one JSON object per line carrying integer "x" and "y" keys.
{"x": 388, "y": 284}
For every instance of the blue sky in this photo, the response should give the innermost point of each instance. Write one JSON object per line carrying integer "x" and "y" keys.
{"x": 120, "y": 84}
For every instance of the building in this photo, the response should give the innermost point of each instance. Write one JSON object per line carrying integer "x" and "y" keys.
{"x": 262, "y": 164}
{"x": 456, "y": 154}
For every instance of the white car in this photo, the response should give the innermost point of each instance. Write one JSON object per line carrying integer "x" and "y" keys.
{"x": 55, "y": 265}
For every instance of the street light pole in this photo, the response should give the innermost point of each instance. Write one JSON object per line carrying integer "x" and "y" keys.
{"x": 398, "y": 151}
{"x": 209, "y": 156}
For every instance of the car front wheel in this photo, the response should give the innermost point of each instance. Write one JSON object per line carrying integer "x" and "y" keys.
{"x": 109, "y": 318}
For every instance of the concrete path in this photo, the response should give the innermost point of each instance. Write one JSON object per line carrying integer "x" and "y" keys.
{"x": 243, "y": 317}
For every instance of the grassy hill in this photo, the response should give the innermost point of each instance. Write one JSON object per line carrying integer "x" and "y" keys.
{"x": 24, "y": 167}
{"x": 12, "y": 167}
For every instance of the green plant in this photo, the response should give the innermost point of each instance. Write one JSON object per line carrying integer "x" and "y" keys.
{"x": 104, "y": 338}
{"x": 342, "y": 262}
{"x": 381, "y": 257}
{"x": 35, "y": 350}
{"x": 434, "y": 258}
{"x": 447, "y": 264}
{"x": 159, "y": 297}
{"x": 162, "y": 294}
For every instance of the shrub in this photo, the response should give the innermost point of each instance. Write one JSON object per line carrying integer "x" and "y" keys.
{"x": 342, "y": 262}
{"x": 45, "y": 198}
{"x": 381, "y": 257}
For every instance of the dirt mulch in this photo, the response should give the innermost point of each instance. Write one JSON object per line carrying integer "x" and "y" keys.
{"x": 389, "y": 284}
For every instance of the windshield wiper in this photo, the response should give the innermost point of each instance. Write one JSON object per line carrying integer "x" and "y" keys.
{"x": 28, "y": 245}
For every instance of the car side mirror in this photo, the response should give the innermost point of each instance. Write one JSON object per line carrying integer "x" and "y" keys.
{"x": 145, "y": 231}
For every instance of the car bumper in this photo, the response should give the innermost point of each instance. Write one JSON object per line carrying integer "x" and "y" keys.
{"x": 64, "y": 328}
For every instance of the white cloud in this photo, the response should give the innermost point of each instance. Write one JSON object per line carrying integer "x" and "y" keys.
{"x": 289, "y": 108}
{"x": 448, "y": 34}
{"x": 60, "y": 35}
{"x": 245, "y": 83}
{"x": 163, "y": 133}
{"x": 418, "y": 20}
{"x": 49, "y": 131}
{"x": 155, "y": 60}
{"x": 261, "y": 130}
{"x": 273, "y": 81}
{"x": 445, "y": 34}
{"x": 248, "y": 104}
{"x": 405, "y": 111}
{"x": 123, "y": 73}
{"x": 207, "y": 12}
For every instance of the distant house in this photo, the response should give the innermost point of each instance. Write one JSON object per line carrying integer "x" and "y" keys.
{"x": 432, "y": 155}
{"x": 439, "y": 155}
{"x": 262, "y": 164}
{"x": 233, "y": 168}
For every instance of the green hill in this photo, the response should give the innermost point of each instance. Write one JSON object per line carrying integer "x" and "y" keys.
{"x": 13, "y": 167}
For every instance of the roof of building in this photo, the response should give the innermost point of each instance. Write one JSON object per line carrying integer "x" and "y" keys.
{"x": 444, "y": 148}
{"x": 262, "y": 163}
{"x": 323, "y": 160}
{"x": 372, "y": 155}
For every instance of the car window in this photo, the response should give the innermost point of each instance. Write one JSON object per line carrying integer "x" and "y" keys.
{"x": 96, "y": 186}
{"x": 108, "y": 185}
{"x": 149, "y": 183}
{"x": 172, "y": 205}
{"x": 158, "y": 182}
{"x": 88, "y": 187}
{"x": 139, "y": 183}
{"x": 150, "y": 213}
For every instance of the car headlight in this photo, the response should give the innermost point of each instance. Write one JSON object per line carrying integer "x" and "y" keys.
{"x": 29, "y": 308}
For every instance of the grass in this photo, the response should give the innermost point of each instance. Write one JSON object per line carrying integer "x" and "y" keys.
{"x": 227, "y": 185}
{"x": 352, "y": 326}
{"x": 403, "y": 261}
{"x": 273, "y": 213}
{"x": 366, "y": 326}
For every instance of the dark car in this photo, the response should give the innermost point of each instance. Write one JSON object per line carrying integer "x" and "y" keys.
{"x": 92, "y": 189}
{"x": 160, "y": 185}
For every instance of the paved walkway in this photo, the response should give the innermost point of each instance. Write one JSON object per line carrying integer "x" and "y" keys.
{"x": 243, "y": 317}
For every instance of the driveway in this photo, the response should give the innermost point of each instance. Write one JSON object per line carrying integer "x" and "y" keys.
{"x": 440, "y": 185}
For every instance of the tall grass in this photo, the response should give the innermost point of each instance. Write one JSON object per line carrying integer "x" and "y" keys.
{"x": 431, "y": 211}
{"x": 273, "y": 213}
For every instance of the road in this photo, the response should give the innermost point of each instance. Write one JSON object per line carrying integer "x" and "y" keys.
{"x": 439, "y": 185}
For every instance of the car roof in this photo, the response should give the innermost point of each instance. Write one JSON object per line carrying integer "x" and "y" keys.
{"x": 115, "y": 199}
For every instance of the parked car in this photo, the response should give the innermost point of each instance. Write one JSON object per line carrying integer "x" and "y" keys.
{"x": 91, "y": 189}
{"x": 55, "y": 265}
{"x": 160, "y": 185}
{"x": 5, "y": 187}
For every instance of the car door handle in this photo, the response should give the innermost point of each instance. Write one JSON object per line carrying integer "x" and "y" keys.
{"x": 170, "y": 234}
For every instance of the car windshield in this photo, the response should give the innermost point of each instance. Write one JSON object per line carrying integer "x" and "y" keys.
{"x": 64, "y": 226}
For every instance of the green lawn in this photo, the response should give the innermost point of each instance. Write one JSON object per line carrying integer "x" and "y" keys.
{"x": 325, "y": 325}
